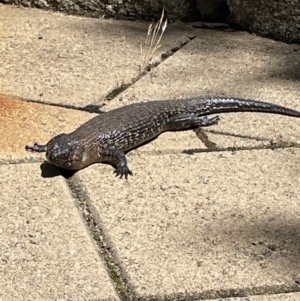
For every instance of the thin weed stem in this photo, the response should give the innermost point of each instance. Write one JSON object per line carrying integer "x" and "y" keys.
{"x": 152, "y": 42}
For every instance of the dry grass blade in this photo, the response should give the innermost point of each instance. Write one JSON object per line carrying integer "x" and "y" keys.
{"x": 152, "y": 41}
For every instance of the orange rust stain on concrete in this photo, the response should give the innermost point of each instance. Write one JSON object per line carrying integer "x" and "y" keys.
{"x": 9, "y": 104}
{"x": 23, "y": 123}
{"x": 15, "y": 122}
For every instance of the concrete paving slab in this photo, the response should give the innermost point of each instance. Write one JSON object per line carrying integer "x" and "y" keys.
{"x": 279, "y": 297}
{"x": 208, "y": 225}
{"x": 46, "y": 252}
{"x": 229, "y": 64}
{"x": 23, "y": 123}
{"x": 223, "y": 63}
{"x": 56, "y": 58}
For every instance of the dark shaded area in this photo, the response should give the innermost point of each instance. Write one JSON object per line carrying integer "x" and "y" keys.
{"x": 287, "y": 69}
{"x": 213, "y": 10}
{"x": 184, "y": 10}
{"x": 125, "y": 10}
{"x": 50, "y": 171}
{"x": 278, "y": 20}
{"x": 91, "y": 108}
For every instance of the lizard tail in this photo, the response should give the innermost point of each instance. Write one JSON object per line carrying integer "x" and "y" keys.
{"x": 232, "y": 104}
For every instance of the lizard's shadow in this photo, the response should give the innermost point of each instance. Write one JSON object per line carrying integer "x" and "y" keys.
{"x": 50, "y": 171}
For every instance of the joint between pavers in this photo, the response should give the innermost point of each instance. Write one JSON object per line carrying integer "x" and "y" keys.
{"x": 91, "y": 218}
{"x": 214, "y": 149}
{"x": 237, "y": 135}
{"x": 205, "y": 139}
{"x": 91, "y": 108}
{"x": 226, "y": 293}
{"x": 150, "y": 67}
{"x": 282, "y": 145}
{"x": 276, "y": 143}
{"x": 8, "y": 161}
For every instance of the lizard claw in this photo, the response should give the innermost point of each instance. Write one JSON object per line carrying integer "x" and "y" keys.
{"x": 123, "y": 171}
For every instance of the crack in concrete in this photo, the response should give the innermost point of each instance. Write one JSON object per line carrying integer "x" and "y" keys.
{"x": 201, "y": 134}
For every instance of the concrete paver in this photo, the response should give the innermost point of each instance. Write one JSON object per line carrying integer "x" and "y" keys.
{"x": 223, "y": 63}
{"x": 72, "y": 60}
{"x": 217, "y": 250}
{"x": 229, "y": 64}
{"x": 205, "y": 224}
{"x": 46, "y": 253}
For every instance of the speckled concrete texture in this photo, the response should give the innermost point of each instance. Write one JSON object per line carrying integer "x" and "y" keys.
{"x": 223, "y": 63}
{"x": 230, "y": 64}
{"x": 46, "y": 252}
{"x": 203, "y": 225}
{"x": 72, "y": 60}
{"x": 227, "y": 208}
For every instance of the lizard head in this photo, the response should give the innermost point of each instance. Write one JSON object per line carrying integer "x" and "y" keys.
{"x": 64, "y": 151}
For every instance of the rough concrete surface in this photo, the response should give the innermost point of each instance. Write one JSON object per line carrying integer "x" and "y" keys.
{"x": 196, "y": 220}
{"x": 46, "y": 252}
{"x": 207, "y": 225}
{"x": 221, "y": 63}
{"x": 72, "y": 60}
{"x": 234, "y": 64}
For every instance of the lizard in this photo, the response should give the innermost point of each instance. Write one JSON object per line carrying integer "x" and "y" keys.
{"x": 109, "y": 136}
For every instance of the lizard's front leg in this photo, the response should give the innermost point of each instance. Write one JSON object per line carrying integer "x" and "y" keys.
{"x": 36, "y": 148}
{"x": 119, "y": 157}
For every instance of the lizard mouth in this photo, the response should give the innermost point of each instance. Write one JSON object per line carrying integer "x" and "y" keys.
{"x": 64, "y": 160}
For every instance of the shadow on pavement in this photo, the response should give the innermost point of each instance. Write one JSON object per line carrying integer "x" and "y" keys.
{"x": 50, "y": 171}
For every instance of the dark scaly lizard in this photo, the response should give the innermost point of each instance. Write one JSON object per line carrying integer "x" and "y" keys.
{"x": 108, "y": 136}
